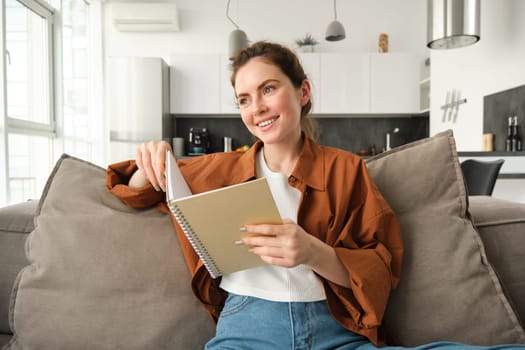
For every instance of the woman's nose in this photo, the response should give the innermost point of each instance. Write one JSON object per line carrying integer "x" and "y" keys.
{"x": 259, "y": 107}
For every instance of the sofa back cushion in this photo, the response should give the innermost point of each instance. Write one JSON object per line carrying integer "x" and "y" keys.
{"x": 102, "y": 275}
{"x": 448, "y": 289}
{"x": 16, "y": 221}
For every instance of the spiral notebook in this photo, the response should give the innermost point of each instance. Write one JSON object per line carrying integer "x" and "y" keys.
{"x": 212, "y": 220}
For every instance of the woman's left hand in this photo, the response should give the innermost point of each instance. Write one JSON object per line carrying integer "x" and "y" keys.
{"x": 287, "y": 244}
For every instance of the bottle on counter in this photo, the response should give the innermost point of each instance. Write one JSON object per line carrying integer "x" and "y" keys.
{"x": 372, "y": 150}
{"x": 516, "y": 143}
{"x": 508, "y": 140}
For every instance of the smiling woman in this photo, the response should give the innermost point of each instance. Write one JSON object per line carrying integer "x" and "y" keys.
{"x": 326, "y": 200}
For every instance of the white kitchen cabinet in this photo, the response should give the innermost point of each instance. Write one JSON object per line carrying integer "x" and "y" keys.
{"x": 195, "y": 83}
{"x": 394, "y": 83}
{"x": 311, "y": 63}
{"x": 228, "y": 104}
{"x": 345, "y": 83}
{"x": 342, "y": 83}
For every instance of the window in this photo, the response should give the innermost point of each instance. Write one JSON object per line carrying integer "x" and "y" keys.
{"x": 46, "y": 98}
{"x": 29, "y": 96}
{"x": 29, "y": 70}
{"x": 29, "y": 155}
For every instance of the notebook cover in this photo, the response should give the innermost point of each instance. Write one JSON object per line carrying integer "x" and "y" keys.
{"x": 216, "y": 216}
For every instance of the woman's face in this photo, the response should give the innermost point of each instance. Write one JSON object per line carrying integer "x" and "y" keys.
{"x": 270, "y": 105}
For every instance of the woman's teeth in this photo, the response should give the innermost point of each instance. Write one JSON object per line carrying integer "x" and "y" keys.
{"x": 266, "y": 122}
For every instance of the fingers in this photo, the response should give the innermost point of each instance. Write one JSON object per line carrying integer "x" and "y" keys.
{"x": 285, "y": 244}
{"x": 277, "y": 255}
{"x": 143, "y": 159}
{"x": 150, "y": 158}
{"x": 287, "y": 227}
{"x": 268, "y": 235}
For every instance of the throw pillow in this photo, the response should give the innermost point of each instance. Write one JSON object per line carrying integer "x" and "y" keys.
{"x": 448, "y": 290}
{"x": 102, "y": 275}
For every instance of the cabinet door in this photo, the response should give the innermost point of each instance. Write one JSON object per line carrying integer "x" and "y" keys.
{"x": 394, "y": 83}
{"x": 345, "y": 82}
{"x": 195, "y": 83}
{"x": 311, "y": 63}
{"x": 227, "y": 94}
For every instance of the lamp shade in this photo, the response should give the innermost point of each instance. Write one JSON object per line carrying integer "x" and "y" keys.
{"x": 452, "y": 23}
{"x": 237, "y": 41}
{"x": 335, "y": 31}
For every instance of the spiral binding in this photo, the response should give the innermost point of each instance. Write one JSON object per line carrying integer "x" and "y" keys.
{"x": 195, "y": 242}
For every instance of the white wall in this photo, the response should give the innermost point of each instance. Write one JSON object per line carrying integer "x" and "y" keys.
{"x": 205, "y": 28}
{"x": 493, "y": 64}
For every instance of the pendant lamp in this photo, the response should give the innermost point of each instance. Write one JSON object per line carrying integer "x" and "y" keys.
{"x": 238, "y": 39}
{"x": 452, "y": 23}
{"x": 335, "y": 30}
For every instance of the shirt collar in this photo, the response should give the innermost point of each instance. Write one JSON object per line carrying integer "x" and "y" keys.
{"x": 309, "y": 169}
{"x": 246, "y": 166}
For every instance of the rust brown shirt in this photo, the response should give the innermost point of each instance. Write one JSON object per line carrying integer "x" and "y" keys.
{"x": 340, "y": 205}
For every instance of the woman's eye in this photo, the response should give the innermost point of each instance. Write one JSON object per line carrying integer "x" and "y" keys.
{"x": 242, "y": 102}
{"x": 268, "y": 89}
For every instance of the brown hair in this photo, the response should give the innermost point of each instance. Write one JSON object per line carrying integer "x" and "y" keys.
{"x": 289, "y": 64}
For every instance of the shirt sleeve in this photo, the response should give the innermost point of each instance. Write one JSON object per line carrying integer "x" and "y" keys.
{"x": 370, "y": 248}
{"x": 117, "y": 179}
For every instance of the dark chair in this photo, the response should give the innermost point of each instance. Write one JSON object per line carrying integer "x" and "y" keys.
{"x": 480, "y": 176}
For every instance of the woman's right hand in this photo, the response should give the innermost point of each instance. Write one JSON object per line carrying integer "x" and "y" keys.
{"x": 150, "y": 158}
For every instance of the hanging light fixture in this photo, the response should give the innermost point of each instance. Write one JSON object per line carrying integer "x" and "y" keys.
{"x": 452, "y": 23}
{"x": 238, "y": 39}
{"x": 335, "y": 30}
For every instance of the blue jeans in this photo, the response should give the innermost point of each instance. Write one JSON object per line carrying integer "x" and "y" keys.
{"x": 252, "y": 323}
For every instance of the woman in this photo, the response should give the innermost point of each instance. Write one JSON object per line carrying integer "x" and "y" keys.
{"x": 333, "y": 262}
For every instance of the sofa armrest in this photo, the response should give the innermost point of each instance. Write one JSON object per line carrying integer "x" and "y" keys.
{"x": 501, "y": 225}
{"x": 16, "y": 222}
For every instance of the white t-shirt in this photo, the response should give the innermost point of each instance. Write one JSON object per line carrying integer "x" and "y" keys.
{"x": 271, "y": 282}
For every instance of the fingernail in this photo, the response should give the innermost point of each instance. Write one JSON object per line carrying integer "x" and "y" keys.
{"x": 243, "y": 229}
{"x": 239, "y": 242}
{"x": 155, "y": 187}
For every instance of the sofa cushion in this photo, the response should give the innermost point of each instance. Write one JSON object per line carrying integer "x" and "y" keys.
{"x": 501, "y": 225}
{"x": 102, "y": 275}
{"x": 448, "y": 290}
{"x": 16, "y": 221}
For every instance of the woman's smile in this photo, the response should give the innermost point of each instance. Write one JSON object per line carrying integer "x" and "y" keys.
{"x": 267, "y": 122}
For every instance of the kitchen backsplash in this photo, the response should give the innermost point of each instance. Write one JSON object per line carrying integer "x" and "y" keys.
{"x": 497, "y": 108}
{"x": 353, "y": 133}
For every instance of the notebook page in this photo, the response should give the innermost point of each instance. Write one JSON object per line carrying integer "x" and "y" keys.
{"x": 176, "y": 186}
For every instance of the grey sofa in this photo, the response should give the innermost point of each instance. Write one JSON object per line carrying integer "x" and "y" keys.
{"x": 106, "y": 276}
{"x": 501, "y": 225}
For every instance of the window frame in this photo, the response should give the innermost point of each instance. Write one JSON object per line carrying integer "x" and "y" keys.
{"x": 10, "y": 125}
{"x": 19, "y": 126}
